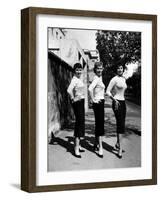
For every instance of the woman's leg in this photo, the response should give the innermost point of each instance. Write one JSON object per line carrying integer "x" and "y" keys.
{"x": 81, "y": 149}
{"x": 119, "y": 144}
{"x": 99, "y": 126}
{"x": 100, "y": 152}
{"x": 96, "y": 125}
{"x": 77, "y": 141}
{"x": 122, "y": 129}
{"x": 120, "y": 115}
{"x": 79, "y": 125}
{"x": 118, "y": 122}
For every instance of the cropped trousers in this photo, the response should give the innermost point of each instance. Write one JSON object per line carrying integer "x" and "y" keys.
{"x": 120, "y": 115}
{"x": 79, "y": 112}
{"x": 98, "y": 109}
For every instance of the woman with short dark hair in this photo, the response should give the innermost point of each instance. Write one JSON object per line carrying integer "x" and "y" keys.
{"x": 96, "y": 91}
{"x": 76, "y": 92}
{"x": 116, "y": 91}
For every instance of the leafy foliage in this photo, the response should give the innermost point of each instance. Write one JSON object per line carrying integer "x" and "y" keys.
{"x": 120, "y": 47}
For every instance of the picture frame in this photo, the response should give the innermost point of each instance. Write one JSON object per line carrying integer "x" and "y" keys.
{"x": 29, "y": 107}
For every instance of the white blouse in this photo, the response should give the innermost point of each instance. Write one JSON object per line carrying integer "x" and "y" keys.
{"x": 76, "y": 89}
{"x": 118, "y": 85}
{"x": 97, "y": 87}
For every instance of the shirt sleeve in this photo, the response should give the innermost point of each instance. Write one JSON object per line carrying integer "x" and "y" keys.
{"x": 93, "y": 84}
{"x": 70, "y": 88}
{"x": 110, "y": 87}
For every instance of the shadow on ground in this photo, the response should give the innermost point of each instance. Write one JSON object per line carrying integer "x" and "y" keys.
{"x": 87, "y": 143}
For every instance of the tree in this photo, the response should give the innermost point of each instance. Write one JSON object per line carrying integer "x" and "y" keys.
{"x": 119, "y": 47}
{"x": 134, "y": 86}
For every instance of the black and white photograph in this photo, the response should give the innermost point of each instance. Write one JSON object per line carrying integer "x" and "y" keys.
{"x": 93, "y": 99}
{"x": 89, "y": 97}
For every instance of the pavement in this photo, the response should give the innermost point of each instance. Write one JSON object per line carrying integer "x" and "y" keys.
{"x": 61, "y": 148}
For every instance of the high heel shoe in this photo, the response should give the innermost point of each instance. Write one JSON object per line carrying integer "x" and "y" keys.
{"x": 119, "y": 153}
{"x": 81, "y": 149}
{"x": 76, "y": 153}
{"x": 100, "y": 153}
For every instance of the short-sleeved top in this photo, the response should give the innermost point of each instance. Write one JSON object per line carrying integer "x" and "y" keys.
{"x": 118, "y": 85}
{"x": 97, "y": 87}
{"x": 76, "y": 89}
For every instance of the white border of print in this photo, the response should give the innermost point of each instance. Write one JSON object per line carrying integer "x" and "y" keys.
{"x": 43, "y": 177}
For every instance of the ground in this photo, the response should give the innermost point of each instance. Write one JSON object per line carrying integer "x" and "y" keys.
{"x": 61, "y": 153}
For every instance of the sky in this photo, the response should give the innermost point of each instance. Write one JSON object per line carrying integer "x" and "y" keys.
{"x": 86, "y": 38}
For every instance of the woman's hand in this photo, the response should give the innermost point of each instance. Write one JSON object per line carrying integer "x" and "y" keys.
{"x": 94, "y": 101}
{"x": 117, "y": 104}
{"x": 72, "y": 100}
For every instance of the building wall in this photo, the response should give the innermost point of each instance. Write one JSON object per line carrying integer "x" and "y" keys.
{"x": 55, "y": 36}
{"x": 60, "y": 112}
{"x": 92, "y": 57}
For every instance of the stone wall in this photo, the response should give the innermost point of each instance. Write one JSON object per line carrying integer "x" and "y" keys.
{"x": 60, "y": 112}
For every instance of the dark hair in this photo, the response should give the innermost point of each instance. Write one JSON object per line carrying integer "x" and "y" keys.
{"x": 118, "y": 65}
{"x": 121, "y": 65}
{"x": 77, "y": 66}
{"x": 97, "y": 64}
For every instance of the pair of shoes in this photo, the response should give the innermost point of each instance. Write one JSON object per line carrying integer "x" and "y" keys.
{"x": 77, "y": 153}
{"x": 100, "y": 153}
{"x": 81, "y": 149}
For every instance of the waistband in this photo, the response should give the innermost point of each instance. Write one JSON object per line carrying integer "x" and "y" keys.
{"x": 100, "y": 101}
{"x": 120, "y": 100}
{"x": 78, "y": 100}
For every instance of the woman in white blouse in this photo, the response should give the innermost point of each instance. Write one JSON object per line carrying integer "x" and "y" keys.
{"x": 116, "y": 91}
{"x": 76, "y": 92}
{"x": 96, "y": 91}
